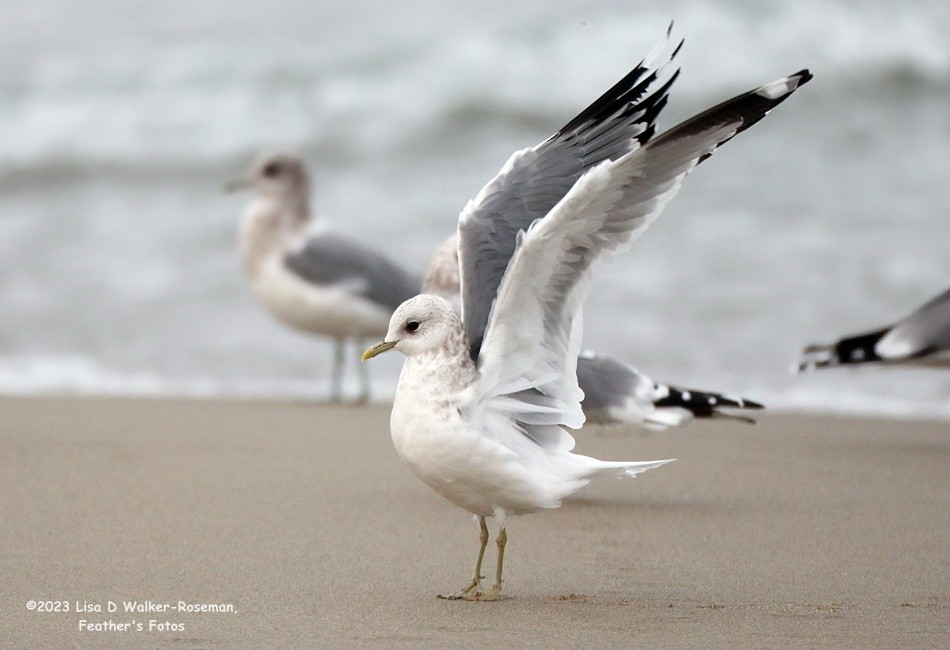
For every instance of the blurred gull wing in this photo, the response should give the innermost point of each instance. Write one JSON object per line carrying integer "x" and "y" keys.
{"x": 925, "y": 332}
{"x": 615, "y": 392}
{"x": 535, "y": 179}
{"x": 327, "y": 259}
{"x": 923, "y": 338}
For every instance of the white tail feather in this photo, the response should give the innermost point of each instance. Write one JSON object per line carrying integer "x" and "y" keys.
{"x": 594, "y": 467}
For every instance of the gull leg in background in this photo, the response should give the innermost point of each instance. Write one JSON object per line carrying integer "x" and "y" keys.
{"x": 336, "y": 381}
{"x": 472, "y": 588}
{"x": 362, "y": 372}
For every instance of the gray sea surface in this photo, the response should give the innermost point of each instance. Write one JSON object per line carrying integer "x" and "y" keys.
{"x": 119, "y": 122}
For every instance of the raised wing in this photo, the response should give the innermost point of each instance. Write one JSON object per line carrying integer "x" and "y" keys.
{"x": 528, "y": 360}
{"x": 328, "y": 259}
{"x": 535, "y": 179}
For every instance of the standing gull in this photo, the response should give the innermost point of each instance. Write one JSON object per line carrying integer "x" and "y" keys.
{"x": 310, "y": 277}
{"x": 921, "y": 339}
{"x": 614, "y": 392}
{"x": 484, "y": 400}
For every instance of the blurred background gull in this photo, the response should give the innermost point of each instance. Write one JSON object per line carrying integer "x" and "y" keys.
{"x": 120, "y": 120}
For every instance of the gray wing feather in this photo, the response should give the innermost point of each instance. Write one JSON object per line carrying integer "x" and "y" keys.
{"x": 328, "y": 259}
{"x": 606, "y": 382}
{"x": 535, "y": 179}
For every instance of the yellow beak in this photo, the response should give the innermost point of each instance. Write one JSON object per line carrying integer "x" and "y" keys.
{"x": 376, "y": 350}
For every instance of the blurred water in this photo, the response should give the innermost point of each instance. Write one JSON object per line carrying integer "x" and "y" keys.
{"x": 120, "y": 120}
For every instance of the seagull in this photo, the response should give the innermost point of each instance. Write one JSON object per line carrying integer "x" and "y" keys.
{"x": 615, "y": 393}
{"x": 308, "y": 276}
{"x": 485, "y": 398}
{"x": 920, "y": 339}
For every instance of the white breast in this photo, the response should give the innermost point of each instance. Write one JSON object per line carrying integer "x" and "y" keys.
{"x": 452, "y": 456}
{"x": 329, "y": 311}
{"x": 336, "y": 311}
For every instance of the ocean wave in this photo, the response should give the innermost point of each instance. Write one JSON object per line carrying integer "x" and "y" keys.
{"x": 181, "y": 105}
{"x": 83, "y": 376}
{"x": 119, "y": 128}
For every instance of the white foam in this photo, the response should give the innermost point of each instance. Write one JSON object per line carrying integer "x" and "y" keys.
{"x": 74, "y": 375}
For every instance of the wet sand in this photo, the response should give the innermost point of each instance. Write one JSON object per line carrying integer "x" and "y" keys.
{"x": 799, "y": 532}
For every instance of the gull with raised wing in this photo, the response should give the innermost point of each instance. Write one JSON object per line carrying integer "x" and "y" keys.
{"x": 484, "y": 400}
{"x": 920, "y": 339}
{"x": 615, "y": 393}
{"x": 308, "y": 276}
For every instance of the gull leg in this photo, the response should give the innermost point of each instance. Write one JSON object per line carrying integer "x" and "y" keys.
{"x": 336, "y": 381}
{"x": 495, "y": 592}
{"x": 471, "y": 591}
{"x": 362, "y": 371}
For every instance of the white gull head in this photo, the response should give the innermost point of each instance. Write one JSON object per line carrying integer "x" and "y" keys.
{"x": 422, "y": 324}
{"x": 281, "y": 176}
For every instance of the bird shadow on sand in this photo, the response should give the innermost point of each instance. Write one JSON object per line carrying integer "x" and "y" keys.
{"x": 632, "y": 504}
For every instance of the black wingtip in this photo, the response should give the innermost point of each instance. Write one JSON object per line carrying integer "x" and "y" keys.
{"x": 629, "y": 91}
{"x": 745, "y": 110}
{"x": 851, "y": 350}
{"x": 804, "y": 76}
{"x": 703, "y": 404}
{"x": 676, "y": 50}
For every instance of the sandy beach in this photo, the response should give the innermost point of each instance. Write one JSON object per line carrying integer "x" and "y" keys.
{"x": 299, "y": 519}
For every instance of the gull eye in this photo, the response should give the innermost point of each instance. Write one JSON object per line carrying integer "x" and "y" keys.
{"x": 270, "y": 170}
{"x": 412, "y": 326}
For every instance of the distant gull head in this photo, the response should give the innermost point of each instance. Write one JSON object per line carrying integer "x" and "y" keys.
{"x": 279, "y": 176}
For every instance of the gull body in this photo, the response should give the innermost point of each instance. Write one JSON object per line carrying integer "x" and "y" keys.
{"x": 485, "y": 399}
{"x": 308, "y": 276}
{"x": 486, "y": 466}
{"x": 615, "y": 393}
{"x": 335, "y": 311}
